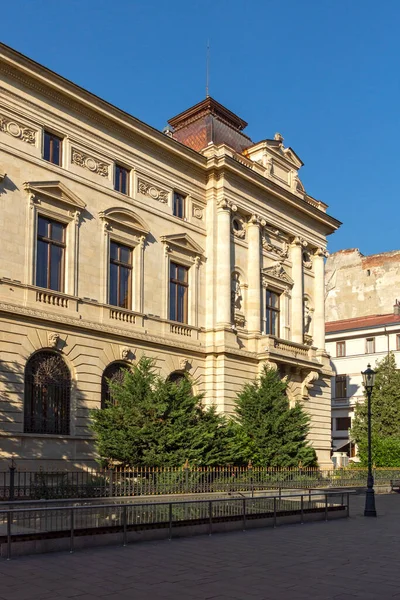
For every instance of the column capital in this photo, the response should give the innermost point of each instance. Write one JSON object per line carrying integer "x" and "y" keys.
{"x": 321, "y": 252}
{"x": 256, "y": 220}
{"x": 299, "y": 241}
{"x": 226, "y": 205}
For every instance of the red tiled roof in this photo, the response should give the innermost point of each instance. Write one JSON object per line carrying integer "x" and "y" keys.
{"x": 360, "y": 322}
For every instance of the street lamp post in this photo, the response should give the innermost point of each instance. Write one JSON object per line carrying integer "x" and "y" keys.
{"x": 368, "y": 381}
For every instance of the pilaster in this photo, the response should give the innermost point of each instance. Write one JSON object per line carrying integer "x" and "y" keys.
{"x": 254, "y": 276}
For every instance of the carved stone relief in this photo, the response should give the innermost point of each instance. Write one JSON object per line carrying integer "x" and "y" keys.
{"x": 237, "y": 228}
{"x": 238, "y": 317}
{"x": 17, "y": 130}
{"x": 148, "y": 189}
{"x": 53, "y": 339}
{"x": 276, "y": 272}
{"x": 89, "y": 162}
{"x": 197, "y": 212}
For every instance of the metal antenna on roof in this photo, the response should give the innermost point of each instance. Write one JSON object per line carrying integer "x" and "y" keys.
{"x": 208, "y": 69}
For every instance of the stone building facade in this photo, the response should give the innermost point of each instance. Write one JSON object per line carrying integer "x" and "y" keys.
{"x": 194, "y": 246}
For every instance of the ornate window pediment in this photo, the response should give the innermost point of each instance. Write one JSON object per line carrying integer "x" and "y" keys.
{"x": 124, "y": 218}
{"x": 278, "y": 274}
{"x": 182, "y": 241}
{"x": 54, "y": 190}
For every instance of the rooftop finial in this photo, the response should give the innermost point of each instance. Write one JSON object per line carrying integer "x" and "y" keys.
{"x": 208, "y": 69}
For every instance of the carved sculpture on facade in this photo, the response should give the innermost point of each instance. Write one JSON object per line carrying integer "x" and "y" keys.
{"x": 125, "y": 353}
{"x": 184, "y": 364}
{"x": 307, "y": 262}
{"x": 308, "y": 384}
{"x": 277, "y": 272}
{"x": 237, "y": 228}
{"x": 148, "y": 189}
{"x": 52, "y": 339}
{"x": 238, "y": 317}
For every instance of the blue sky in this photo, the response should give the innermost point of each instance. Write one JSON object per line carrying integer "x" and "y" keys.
{"x": 324, "y": 73}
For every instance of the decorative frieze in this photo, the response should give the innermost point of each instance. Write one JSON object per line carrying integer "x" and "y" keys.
{"x": 148, "y": 189}
{"x": 17, "y": 130}
{"x": 269, "y": 247}
{"x": 89, "y": 162}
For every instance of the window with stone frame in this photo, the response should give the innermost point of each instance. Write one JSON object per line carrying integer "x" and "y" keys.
{"x": 121, "y": 179}
{"x": 178, "y": 205}
{"x": 50, "y": 254}
{"x": 47, "y": 395}
{"x": 178, "y": 293}
{"x": 272, "y": 313}
{"x": 120, "y": 282}
{"x": 52, "y": 148}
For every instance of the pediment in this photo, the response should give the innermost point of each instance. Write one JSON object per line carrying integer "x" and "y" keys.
{"x": 124, "y": 217}
{"x": 55, "y": 190}
{"x": 291, "y": 156}
{"x": 183, "y": 241}
{"x": 278, "y": 273}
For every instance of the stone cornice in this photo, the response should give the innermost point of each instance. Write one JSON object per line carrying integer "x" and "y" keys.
{"x": 52, "y": 85}
{"x": 226, "y": 162}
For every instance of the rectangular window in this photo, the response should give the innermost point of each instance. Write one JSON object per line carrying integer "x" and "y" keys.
{"x": 178, "y": 207}
{"x": 398, "y": 342}
{"x": 52, "y": 148}
{"x": 370, "y": 346}
{"x": 272, "y": 313}
{"x": 178, "y": 293}
{"x": 50, "y": 254}
{"x": 340, "y": 349}
{"x": 121, "y": 183}
{"x": 120, "y": 275}
{"x": 341, "y": 386}
{"x": 343, "y": 423}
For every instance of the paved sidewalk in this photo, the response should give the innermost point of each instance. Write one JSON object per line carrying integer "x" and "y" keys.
{"x": 343, "y": 559}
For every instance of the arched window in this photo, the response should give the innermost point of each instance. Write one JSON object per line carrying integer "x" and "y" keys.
{"x": 113, "y": 373}
{"x": 47, "y": 394}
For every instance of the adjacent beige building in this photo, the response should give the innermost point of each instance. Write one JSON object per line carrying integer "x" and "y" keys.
{"x": 194, "y": 246}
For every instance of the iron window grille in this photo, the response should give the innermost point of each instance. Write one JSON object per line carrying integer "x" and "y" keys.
{"x": 114, "y": 373}
{"x": 47, "y": 395}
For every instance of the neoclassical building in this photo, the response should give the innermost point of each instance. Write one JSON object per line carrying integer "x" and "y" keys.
{"x": 194, "y": 246}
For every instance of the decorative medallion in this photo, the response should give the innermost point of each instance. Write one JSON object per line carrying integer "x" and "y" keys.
{"x": 148, "y": 189}
{"x": 17, "y": 130}
{"x": 88, "y": 162}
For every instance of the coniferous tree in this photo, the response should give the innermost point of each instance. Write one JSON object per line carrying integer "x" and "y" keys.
{"x": 385, "y": 422}
{"x": 267, "y": 430}
{"x": 159, "y": 423}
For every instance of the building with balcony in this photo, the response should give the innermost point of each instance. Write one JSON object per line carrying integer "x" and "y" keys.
{"x": 352, "y": 344}
{"x": 194, "y": 246}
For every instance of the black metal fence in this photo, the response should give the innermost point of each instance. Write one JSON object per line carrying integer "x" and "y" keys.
{"x": 49, "y": 522}
{"x": 17, "y": 484}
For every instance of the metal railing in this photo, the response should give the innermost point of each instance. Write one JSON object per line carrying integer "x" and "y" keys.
{"x": 21, "y": 524}
{"x": 125, "y": 482}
